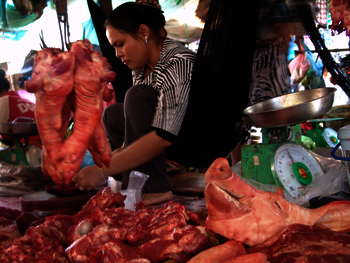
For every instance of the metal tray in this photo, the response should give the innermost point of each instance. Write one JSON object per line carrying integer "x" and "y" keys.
{"x": 292, "y": 108}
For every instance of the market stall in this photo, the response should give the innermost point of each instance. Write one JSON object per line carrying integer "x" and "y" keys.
{"x": 275, "y": 184}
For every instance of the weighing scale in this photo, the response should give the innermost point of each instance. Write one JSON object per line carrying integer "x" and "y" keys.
{"x": 280, "y": 153}
{"x": 281, "y": 159}
{"x": 295, "y": 168}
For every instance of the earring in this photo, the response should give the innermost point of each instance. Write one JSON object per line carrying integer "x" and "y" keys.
{"x": 146, "y": 39}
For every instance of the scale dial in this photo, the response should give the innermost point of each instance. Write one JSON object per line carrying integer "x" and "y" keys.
{"x": 330, "y": 136}
{"x": 295, "y": 168}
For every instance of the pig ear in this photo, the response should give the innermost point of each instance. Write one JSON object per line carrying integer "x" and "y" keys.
{"x": 219, "y": 169}
{"x": 220, "y": 163}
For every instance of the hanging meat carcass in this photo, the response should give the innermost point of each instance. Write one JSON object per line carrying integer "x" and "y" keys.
{"x": 52, "y": 82}
{"x": 70, "y": 86}
{"x": 90, "y": 80}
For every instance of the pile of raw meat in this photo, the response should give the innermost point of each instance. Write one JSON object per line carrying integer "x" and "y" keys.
{"x": 70, "y": 87}
{"x": 103, "y": 231}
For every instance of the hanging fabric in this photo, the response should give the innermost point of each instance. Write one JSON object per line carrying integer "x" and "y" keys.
{"x": 63, "y": 24}
{"x": 212, "y": 126}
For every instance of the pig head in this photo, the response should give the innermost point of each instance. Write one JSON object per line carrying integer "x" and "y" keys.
{"x": 237, "y": 210}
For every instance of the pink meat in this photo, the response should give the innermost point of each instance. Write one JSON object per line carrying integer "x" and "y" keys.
{"x": 99, "y": 146}
{"x": 237, "y": 210}
{"x": 52, "y": 81}
{"x": 71, "y": 86}
{"x": 91, "y": 74}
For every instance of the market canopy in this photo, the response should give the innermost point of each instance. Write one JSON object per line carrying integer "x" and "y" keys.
{"x": 22, "y": 21}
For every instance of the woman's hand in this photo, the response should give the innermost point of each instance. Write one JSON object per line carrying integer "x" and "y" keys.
{"x": 90, "y": 177}
{"x": 139, "y": 152}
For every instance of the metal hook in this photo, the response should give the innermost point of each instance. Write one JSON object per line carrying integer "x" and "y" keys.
{"x": 84, "y": 33}
{"x": 43, "y": 44}
{"x": 62, "y": 18}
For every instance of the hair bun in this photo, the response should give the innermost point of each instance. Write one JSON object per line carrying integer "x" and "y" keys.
{"x": 153, "y": 3}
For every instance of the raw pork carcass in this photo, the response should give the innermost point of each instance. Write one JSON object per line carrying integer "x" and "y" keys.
{"x": 52, "y": 82}
{"x": 70, "y": 86}
{"x": 99, "y": 145}
{"x": 92, "y": 72}
{"x": 239, "y": 211}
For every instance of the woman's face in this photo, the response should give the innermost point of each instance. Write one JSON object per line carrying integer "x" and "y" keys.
{"x": 132, "y": 51}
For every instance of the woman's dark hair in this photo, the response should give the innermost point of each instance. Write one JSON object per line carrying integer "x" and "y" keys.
{"x": 4, "y": 83}
{"x": 130, "y": 15}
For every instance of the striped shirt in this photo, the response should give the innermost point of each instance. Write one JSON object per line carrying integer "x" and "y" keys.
{"x": 171, "y": 78}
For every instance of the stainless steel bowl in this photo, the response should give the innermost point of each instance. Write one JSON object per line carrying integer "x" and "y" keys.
{"x": 291, "y": 108}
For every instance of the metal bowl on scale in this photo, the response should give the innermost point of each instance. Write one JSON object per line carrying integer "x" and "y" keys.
{"x": 291, "y": 108}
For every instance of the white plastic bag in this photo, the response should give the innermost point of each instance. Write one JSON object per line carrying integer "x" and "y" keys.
{"x": 134, "y": 191}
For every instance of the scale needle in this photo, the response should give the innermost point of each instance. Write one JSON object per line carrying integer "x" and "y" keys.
{"x": 290, "y": 156}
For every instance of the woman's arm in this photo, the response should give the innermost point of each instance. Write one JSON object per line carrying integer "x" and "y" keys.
{"x": 142, "y": 150}
{"x": 139, "y": 152}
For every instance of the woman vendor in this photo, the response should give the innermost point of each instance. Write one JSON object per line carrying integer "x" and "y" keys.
{"x": 154, "y": 107}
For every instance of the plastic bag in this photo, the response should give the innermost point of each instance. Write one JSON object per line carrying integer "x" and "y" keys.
{"x": 333, "y": 180}
{"x": 134, "y": 191}
{"x": 298, "y": 67}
